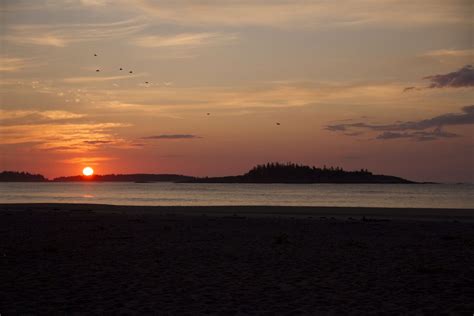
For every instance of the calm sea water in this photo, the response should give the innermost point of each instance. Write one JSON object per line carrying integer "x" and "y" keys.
{"x": 372, "y": 195}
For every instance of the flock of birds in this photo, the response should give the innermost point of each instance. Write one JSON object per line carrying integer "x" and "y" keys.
{"x": 147, "y": 82}
{"x": 121, "y": 69}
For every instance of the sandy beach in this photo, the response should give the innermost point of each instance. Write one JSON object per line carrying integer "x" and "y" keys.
{"x": 66, "y": 258}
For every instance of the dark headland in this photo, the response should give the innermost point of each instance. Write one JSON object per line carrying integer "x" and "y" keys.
{"x": 266, "y": 173}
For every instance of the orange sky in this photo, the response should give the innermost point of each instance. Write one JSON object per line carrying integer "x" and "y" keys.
{"x": 334, "y": 76}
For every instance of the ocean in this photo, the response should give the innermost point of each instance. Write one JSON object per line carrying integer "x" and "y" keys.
{"x": 200, "y": 194}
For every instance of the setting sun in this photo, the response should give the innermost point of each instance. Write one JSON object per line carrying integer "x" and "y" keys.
{"x": 87, "y": 171}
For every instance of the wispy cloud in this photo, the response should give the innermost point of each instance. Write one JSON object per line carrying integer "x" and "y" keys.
{"x": 420, "y": 136}
{"x": 61, "y": 35}
{"x": 61, "y": 132}
{"x": 412, "y": 129}
{"x": 171, "y": 136}
{"x": 300, "y": 14}
{"x": 97, "y": 142}
{"x": 98, "y": 78}
{"x": 12, "y": 64}
{"x": 94, "y": 3}
{"x": 412, "y": 88}
{"x": 444, "y": 53}
{"x": 91, "y": 161}
{"x": 17, "y": 118}
{"x": 49, "y": 39}
{"x": 183, "y": 39}
{"x": 260, "y": 95}
{"x": 463, "y": 77}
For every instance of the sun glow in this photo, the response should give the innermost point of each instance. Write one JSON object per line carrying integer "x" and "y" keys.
{"x": 87, "y": 171}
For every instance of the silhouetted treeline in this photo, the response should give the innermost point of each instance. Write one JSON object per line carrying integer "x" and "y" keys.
{"x": 266, "y": 173}
{"x": 15, "y": 176}
{"x": 294, "y": 173}
{"x": 138, "y": 177}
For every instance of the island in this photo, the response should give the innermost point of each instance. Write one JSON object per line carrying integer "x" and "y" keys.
{"x": 15, "y": 176}
{"x": 295, "y": 173}
{"x": 266, "y": 173}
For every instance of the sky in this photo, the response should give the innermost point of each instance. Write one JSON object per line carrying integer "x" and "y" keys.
{"x": 379, "y": 84}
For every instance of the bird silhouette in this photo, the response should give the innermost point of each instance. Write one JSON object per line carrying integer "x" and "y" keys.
{"x": 121, "y": 68}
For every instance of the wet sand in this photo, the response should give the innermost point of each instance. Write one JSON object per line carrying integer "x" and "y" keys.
{"x": 65, "y": 258}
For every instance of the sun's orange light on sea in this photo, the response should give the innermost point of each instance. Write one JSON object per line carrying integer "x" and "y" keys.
{"x": 87, "y": 171}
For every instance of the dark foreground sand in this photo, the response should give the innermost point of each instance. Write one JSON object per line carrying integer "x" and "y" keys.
{"x": 75, "y": 259}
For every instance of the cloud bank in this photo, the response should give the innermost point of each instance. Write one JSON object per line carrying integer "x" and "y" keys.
{"x": 418, "y": 130}
{"x": 463, "y": 77}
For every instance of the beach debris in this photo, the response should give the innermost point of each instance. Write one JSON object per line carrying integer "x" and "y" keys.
{"x": 121, "y": 69}
{"x": 97, "y": 70}
{"x": 278, "y": 123}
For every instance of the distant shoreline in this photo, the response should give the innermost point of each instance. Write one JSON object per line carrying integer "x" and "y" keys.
{"x": 274, "y": 172}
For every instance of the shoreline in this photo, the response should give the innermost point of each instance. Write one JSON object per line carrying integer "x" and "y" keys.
{"x": 440, "y": 214}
